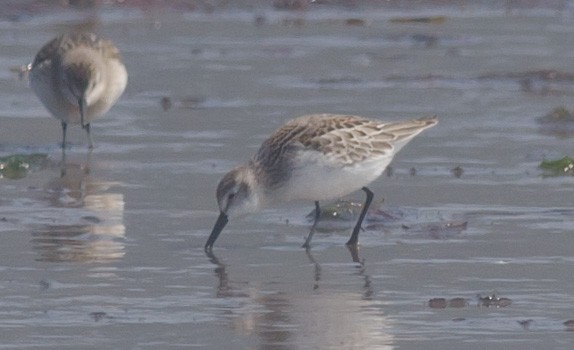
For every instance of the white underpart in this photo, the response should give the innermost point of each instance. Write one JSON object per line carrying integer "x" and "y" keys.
{"x": 318, "y": 177}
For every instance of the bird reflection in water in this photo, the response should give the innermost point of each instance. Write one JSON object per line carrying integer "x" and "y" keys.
{"x": 278, "y": 316}
{"x": 272, "y": 326}
{"x": 86, "y": 224}
{"x": 361, "y": 271}
{"x": 223, "y": 289}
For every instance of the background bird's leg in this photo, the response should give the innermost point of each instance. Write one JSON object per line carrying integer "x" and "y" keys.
{"x": 64, "y": 128}
{"x": 91, "y": 142}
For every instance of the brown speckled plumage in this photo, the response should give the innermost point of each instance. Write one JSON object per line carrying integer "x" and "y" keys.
{"x": 58, "y": 46}
{"x": 345, "y": 140}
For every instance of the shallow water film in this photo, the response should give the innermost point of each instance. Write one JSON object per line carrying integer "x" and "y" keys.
{"x": 469, "y": 243}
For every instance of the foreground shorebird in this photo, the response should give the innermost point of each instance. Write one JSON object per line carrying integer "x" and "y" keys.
{"x": 314, "y": 157}
{"x": 78, "y": 77}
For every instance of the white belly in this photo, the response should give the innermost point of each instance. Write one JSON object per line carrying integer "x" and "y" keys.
{"x": 315, "y": 179}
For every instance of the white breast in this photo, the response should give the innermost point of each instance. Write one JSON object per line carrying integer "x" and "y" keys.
{"x": 317, "y": 177}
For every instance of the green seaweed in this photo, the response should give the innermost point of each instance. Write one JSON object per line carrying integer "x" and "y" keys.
{"x": 17, "y": 166}
{"x": 558, "y": 167}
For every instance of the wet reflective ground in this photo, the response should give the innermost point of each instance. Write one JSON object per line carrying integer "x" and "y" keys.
{"x": 472, "y": 246}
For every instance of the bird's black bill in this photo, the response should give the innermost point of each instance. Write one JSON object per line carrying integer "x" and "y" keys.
{"x": 219, "y": 225}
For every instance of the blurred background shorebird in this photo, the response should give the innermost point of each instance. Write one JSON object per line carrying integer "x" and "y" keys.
{"x": 78, "y": 77}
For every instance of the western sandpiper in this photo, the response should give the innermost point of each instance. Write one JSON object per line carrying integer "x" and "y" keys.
{"x": 314, "y": 157}
{"x": 78, "y": 77}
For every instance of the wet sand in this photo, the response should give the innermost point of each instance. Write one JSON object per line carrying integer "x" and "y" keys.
{"x": 105, "y": 248}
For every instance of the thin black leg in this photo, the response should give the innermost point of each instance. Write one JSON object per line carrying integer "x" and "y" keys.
{"x": 64, "y": 128}
{"x": 354, "y": 250}
{"x": 307, "y": 243}
{"x": 91, "y": 142}
{"x": 355, "y": 235}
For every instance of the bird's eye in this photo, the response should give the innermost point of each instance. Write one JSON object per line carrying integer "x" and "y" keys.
{"x": 230, "y": 197}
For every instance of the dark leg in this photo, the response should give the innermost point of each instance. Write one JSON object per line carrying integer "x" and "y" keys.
{"x": 64, "y": 128}
{"x": 63, "y": 164}
{"x": 307, "y": 243}
{"x": 354, "y": 250}
{"x": 355, "y": 235}
{"x": 91, "y": 142}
